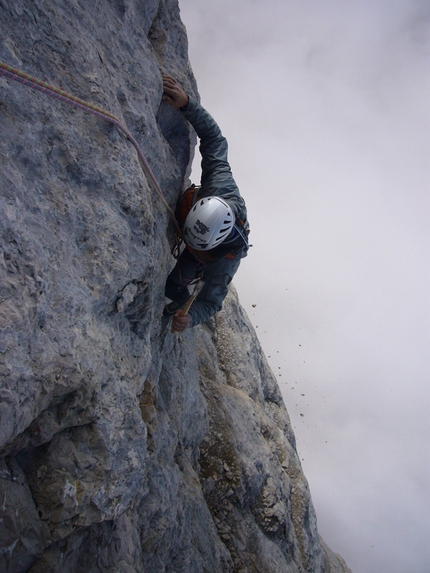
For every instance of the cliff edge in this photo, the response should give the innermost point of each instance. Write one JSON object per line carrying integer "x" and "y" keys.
{"x": 124, "y": 448}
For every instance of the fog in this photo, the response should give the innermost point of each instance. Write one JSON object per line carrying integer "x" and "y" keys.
{"x": 325, "y": 108}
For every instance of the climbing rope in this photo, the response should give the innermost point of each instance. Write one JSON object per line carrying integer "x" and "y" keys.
{"x": 18, "y": 76}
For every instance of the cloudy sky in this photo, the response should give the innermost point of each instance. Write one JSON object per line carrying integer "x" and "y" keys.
{"x": 325, "y": 105}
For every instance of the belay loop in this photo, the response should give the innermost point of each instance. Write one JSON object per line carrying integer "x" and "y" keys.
{"x": 18, "y": 76}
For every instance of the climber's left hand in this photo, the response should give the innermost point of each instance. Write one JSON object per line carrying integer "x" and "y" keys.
{"x": 174, "y": 93}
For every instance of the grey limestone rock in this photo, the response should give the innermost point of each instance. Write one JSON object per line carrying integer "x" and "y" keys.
{"x": 123, "y": 448}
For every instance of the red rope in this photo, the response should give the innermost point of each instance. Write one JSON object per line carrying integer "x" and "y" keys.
{"x": 16, "y": 75}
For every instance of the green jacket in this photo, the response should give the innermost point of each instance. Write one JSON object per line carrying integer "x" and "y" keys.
{"x": 217, "y": 180}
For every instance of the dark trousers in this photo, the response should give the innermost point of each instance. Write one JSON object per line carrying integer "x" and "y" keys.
{"x": 187, "y": 269}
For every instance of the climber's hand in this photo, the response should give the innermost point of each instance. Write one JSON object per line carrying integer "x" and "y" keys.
{"x": 180, "y": 323}
{"x": 174, "y": 93}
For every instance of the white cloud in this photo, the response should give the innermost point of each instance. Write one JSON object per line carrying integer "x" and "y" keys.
{"x": 324, "y": 105}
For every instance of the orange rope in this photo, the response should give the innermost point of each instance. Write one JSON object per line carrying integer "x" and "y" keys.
{"x": 14, "y": 74}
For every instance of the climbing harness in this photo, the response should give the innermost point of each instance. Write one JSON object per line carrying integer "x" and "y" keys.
{"x": 18, "y": 76}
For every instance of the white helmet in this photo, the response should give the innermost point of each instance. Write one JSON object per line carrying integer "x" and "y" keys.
{"x": 208, "y": 223}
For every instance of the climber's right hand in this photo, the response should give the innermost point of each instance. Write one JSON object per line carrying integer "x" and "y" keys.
{"x": 180, "y": 323}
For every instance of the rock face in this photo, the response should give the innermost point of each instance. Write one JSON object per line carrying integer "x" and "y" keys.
{"x": 124, "y": 448}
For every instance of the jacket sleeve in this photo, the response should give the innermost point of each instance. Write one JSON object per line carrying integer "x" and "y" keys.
{"x": 217, "y": 277}
{"x": 217, "y": 178}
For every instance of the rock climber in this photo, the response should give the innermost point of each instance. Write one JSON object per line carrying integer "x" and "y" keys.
{"x": 213, "y": 219}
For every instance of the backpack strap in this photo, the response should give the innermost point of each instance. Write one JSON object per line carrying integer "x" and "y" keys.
{"x": 239, "y": 225}
{"x": 186, "y": 202}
